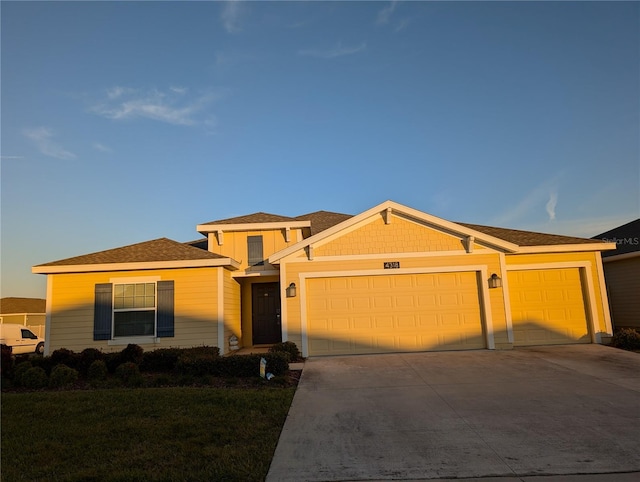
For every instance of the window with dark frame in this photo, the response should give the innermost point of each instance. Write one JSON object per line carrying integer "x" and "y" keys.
{"x": 255, "y": 254}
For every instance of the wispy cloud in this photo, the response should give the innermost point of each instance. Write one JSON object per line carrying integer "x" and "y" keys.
{"x": 43, "y": 138}
{"x": 230, "y": 16}
{"x": 384, "y": 15}
{"x": 98, "y": 146}
{"x": 532, "y": 203}
{"x": 173, "y": 106}
{"x": 337, "y": 51}
{"x": 551, "y": 205}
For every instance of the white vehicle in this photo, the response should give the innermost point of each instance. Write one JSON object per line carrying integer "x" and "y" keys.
{"x": 21, "y": 339}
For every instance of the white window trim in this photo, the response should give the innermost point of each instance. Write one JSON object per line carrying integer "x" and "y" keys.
{"x": 138, "y": 340}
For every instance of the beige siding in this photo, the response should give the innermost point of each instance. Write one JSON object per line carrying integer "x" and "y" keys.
{"x": 196, "y": 311}
{"x": 235, "y": 244}
{"x": 623, "y": 285}
{"x": 401, "y": 236}
{"x": 232, "y": 314}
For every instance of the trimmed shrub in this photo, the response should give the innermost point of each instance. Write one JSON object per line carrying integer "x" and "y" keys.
{"x": 112, "y": 360}
{"x": 87, "y": 357}
{"x": 288, "y": 347}
{"x": 35, "y": 378}
{"x": 62, "y": 356}
{"x": 43, "y": 362}
{"x": 20, "y": 370}
{"x": 7, "y": 361}
{"x": 132, "y": 354}
{"x": 97, "y": 371}
{"x": 626, "y": 339}
{"x": 129, "y": 373}
{"x": 194, "y": 364}
{"x": 62, "y": 376}
{"x": 233, "y": 366}
{"x": 160, "y": 360}
{"x": 208, "y": 351}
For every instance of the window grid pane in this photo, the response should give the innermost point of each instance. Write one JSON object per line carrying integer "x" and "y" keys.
{"x": 140, "y": 295}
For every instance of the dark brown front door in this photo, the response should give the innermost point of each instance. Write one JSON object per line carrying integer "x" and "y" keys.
{"x": 265, "y": 305}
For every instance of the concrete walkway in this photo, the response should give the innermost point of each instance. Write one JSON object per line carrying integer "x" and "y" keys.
{"x": 514, "y": 415}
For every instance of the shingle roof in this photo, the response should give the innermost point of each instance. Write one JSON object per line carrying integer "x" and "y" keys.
{"x": 626, "y": 237}
{"x": 254, "y": 218}
{"x": 199, "y": 243}
{"x": 321, "y": 220}
{"x": 22, "y": 305}
{"x": 527, "y": 238}
{"x": 162, "y": 249}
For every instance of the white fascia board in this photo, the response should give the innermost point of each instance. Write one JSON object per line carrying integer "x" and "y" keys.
{"x": 228, "y": 263}
{"x": 454, "y": 227}
{"x": 208, "y": 228}
{"x": 562, "y": 248}
{"x": 399, "y": 208}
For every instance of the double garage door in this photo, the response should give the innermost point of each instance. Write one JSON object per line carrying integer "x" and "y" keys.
{"x": 394, "y": 313}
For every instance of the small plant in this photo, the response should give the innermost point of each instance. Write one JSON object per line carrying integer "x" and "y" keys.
{"x": 65, "y": 357}
{"x": 35, "y": 378}
{"x": 62, "y": 376}
{"x": 7, "y": 361}
{"x": 288, "y": 347}
{"x": 87, "y": 357}
{"x": 129, "y": 373}
{"x": 97, "y": 371}
{"x": 132, "y": 353}
{"x": 20, "y": 370}
{"x": 626, "y": 339}
{"x": 160, "y": 360}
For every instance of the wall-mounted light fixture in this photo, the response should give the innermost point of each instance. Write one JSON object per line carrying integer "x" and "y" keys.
{"x": 291, "y": 290}
{"x": 495, "y": 281}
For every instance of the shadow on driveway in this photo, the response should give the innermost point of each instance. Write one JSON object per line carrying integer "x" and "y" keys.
{"x": 572, "y": 409}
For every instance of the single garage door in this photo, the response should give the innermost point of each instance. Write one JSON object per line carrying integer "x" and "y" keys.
{"x": 548, "y": 307}
{"x": 394, "y": 313}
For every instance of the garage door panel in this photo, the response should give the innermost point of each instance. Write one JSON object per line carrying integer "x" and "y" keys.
{"x": 437, "y": 311}
{"x": 547, "y": 307}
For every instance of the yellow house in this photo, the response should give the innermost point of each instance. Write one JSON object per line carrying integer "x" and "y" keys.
{"x": 390, "y": 279}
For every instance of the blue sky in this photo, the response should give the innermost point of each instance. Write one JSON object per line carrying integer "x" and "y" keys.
{"x": 128, "y": 121}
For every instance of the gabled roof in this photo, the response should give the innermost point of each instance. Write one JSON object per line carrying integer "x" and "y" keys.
{"x": 255, "y": 218}
{"x": 252, "y": 222}
{"x": 135, "y": 256}
{"x": 626, "y": 237}
{"x": 506, "y": 240}
{"x": 527, "y": 238}
{"x": 321, "y": 220}
{"x": 12, "y": 305}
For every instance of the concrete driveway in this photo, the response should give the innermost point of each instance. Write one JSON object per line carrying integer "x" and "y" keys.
{"x": 571, "y": 409}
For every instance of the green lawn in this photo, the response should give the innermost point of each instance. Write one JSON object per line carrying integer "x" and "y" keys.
{"x": 152, "y": 434}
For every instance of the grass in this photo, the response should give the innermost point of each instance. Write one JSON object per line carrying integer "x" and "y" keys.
{"x": 153, "y": 434}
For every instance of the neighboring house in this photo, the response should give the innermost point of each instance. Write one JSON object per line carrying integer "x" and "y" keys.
{"x": 24, "y": 311}
{"x": 390, "y": 279}
{"x": 622, "y": 273}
